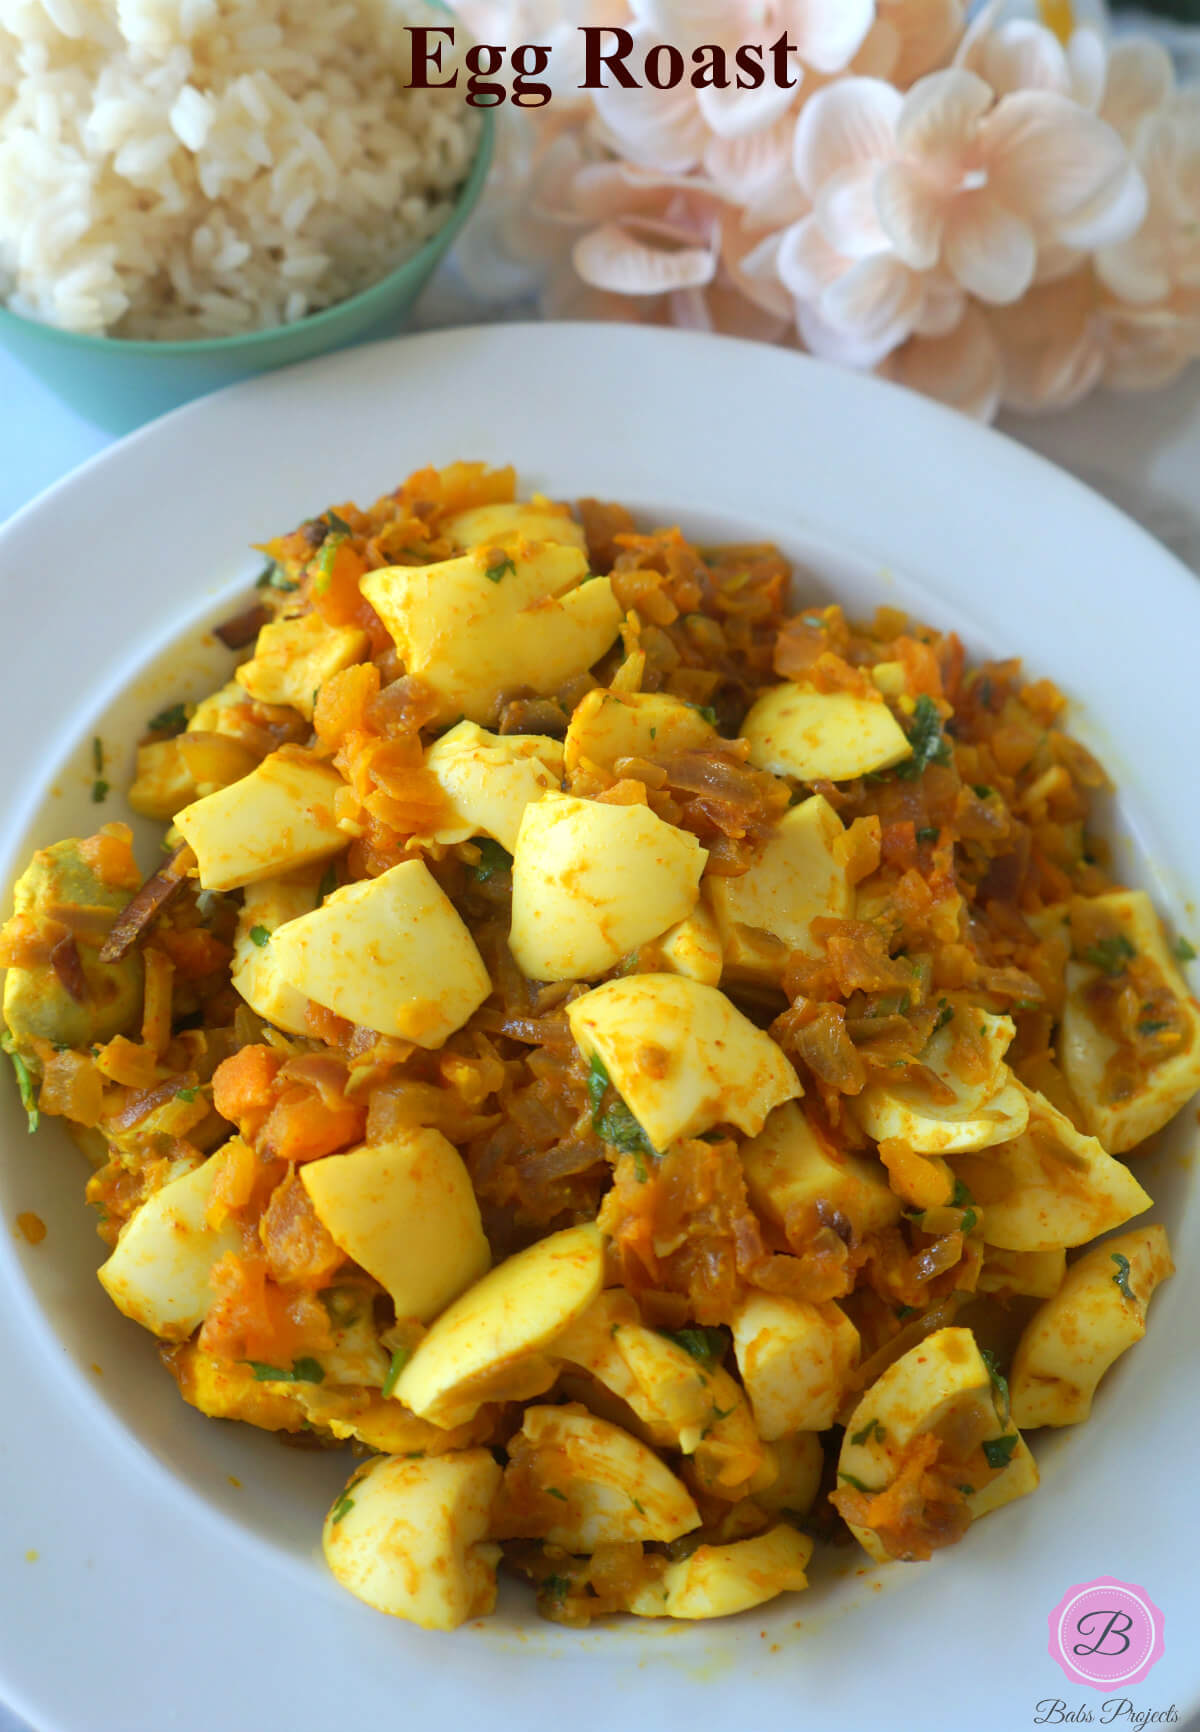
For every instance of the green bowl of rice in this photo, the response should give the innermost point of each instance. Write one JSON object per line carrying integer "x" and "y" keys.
{"x": 194, "y": 191}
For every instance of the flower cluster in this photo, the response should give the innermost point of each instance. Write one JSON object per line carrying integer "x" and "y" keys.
{"x": 1002, "y": 211}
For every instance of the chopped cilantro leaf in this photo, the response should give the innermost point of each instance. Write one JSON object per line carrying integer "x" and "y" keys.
{"x": 322, "y": 565}
{"x": 639, "y": 1507}
{"x": 966, "y": 1490}
{"x": 99, "y": 791}
{"x": 970, "y": 1221}
{"x": 903, "y": 1311}
{"x": 400, "y": 1359}
{"x": 597, "y": 1082}
{"x": 338, "y": 523}
{"x": 983, "y": 791}
{"x": 274, "y": 576}
{"x": 621, "y": 1130}
{"x": 169, "y": 721}
{"x": 1184, "y": 950}
{"x": 303, "y": 1371}
{"x": 998, "y": 1450}
{"x": 499, "y": 568}
{"x": 706, "y": 711}
{"x": 553, "y": 1491}
{"x": 872, "y": 1427}
{"x": 706, "y": 1345}
{"x": 1122, "y": 1275}
{"x": 945, "y": 1014}
{"x": 857, "y": 1483}
{"x": 98, "y": 754}
{"x": 341, "y": 1508}
{"x": 928, "y": 833}
{"x": 962, "y": 1197}
{"x": 260, "y": 936}
{"x": 187, "y": 1095}
{"x": 1110, "y": 955}
{"x": 493, "y": 859}
{"x": 1152, "y": 1027}
{"x": 999, "y": 1382}
{"x": 926, "y": 739}
{"x": 24, "y": 1083}
{"x": 329, "y": 883}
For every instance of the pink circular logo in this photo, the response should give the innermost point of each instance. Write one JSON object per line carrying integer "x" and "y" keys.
{"x": 1106, "y": 1633}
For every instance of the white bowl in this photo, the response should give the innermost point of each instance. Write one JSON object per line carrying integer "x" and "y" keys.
{"x": 178, "y": 1579}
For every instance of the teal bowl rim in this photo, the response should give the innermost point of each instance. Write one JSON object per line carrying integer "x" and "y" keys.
{"x": 380, "y": 291}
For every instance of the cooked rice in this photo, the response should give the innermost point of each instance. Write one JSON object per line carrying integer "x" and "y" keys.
{"x": 198, "y": 168}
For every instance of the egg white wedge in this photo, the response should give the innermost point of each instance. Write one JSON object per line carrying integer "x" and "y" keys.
{"x": 496, "y": 619}
{"x": 795, "y": 1359}
{"x": 598, "y": 1485}
{"x": 489, "y": 779}
{"x": 406, "y": 1212}
{"x": 593, "y": 882}
{"x": 823, "y": 736}
{"x": 1097, "y": 1313}
{"x": 158, "y": 1272}
{"x": 266, "y": 906}
{"x": 390, "y": 953}
{"x": 275, "y": 820}
{"x": 1049, "y": 1187}
{"x": 960, "y": 1106}
{"x": 797, "y": 1179}
{"x": 610, "y": 725}
{"x": 410, "y": 1537}
{"x": 940, "y": 1386}
{"x": 681, "y": 1056}
{"x": 538, "y": 519}
{"x": 794, "y": 878}
{"x": 1119, "y": 1115}
{"x": 495, "y": 1337}
{"x": 717, "y": 1581}
{"x": 294, "y": 657}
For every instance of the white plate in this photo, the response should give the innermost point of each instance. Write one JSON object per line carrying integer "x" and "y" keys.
{"x": 163, "y": 1594}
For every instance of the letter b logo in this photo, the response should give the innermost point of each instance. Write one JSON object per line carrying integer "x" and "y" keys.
{"x": 1106, "y": 1633}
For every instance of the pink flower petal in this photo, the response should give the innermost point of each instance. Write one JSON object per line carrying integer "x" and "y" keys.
{"x": 846, "y": 211}
{"x": 847, "y": 123}
{"x": 661, "y": 129}
{"x": 1023, "y": 56}
{"x": 1138, "y": 272}
{"x": 945, "y": 304}
{"x": 991, "y": 252}
{"x": 754, "y": 270}
{"x": 734, "y": 113}
{"x": 806, "y": 262}
{"x": 1052, "y": 344}
{"x": 828, "y": 33}
{"x": 927, "y": 31}
{"x": 1117, "y": 211}
{"x": 609, "y": 258}
{"x": 961, "y": 370}
{"x": 910, "y": 215}
{"x": 1140, "y": 79}
{"x": 1047, "y": 158}
{"x": 941, "y": 113}
{"x": 877, "y": 300}
{"x": 845, "y": 348}
{"x": 755, "y": 166}
{"x": 1087, "y": 59}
